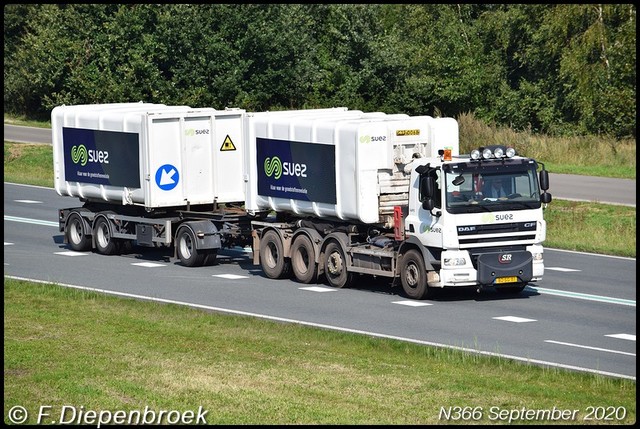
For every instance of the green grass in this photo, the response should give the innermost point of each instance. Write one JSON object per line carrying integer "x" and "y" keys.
{"x": 591, "y": 227}
{"x": 69, "y": 347}
{"x": 583, "y": 155}
{"x": 29, "y": 164}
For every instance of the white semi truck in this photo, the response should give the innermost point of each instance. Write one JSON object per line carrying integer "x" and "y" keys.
{"x": 319, "y": 194}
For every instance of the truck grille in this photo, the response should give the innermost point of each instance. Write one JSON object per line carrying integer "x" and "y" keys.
{"x": 473, "y": 235}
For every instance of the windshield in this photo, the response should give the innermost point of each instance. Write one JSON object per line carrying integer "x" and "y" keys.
{"x": 475, "y": 187}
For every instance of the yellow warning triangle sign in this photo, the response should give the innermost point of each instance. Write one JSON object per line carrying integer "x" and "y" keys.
{"x": 227, "y": 144}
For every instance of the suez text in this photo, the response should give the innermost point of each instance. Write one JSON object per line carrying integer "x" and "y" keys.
{"x": 291, "y": 169}
{"x": 101, "y": 156}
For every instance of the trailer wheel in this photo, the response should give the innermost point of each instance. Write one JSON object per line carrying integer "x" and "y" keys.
{"x": 75, "y": 232}
{"x": 414, "y": 276}
{"x": 186, "y": 249}
{"x": 105, "y": 243}
{"x": 210, "y": 257}
{"x": 272, "y": 259}
{"x": 335, "y": 266}
{"x": 303, "y": 259}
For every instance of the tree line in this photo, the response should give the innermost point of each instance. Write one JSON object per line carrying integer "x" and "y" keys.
{"x": 558, "y": 69}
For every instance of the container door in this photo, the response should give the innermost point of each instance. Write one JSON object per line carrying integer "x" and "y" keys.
{"x": 228, "y": 152}
{"x": 164, "y": 154}
{"x": 197, "y": 165}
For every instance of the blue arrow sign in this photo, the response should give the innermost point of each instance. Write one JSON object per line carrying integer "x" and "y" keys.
{"x": 167, "y": 177}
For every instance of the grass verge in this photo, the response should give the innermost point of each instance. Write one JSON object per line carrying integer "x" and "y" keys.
{"x": 69, "y": 347}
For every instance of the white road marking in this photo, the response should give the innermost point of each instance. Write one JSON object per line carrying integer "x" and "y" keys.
{"x": 71, "y": 253}
{"x": 31, "y": 221}
{"x": 585, "y": 296}
{"x": 148, "y": 264}
{"x": 412, "y": 303}
{"x": 318, "y": 289}
{"x": 589, "y": 347}
{"x": 28, "y": 201}
{"x": 564, "y": 270}
{"x": 629, "y": 337}
{"x": 230, "y": 276}
{"x": 514, "y": 319}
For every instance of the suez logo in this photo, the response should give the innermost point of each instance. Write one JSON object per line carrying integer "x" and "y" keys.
{"x": 275, "y": 168}
{"x": 81, "y": 155}
{"x": 399, "y": 133}
{"x": 372, "y": 139}
{"x": 488, "y": 217}
{"x": 193, "y": 132}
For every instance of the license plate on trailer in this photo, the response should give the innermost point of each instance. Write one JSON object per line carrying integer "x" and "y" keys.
{"x": 501, "y": 280}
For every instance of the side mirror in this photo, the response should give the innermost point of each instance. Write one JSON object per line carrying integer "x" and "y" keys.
{"x": 544, "y": 180}
{"x": 428, "y": 204}
{"x": 545, "y": 198}
{"x": 428, "y": 187}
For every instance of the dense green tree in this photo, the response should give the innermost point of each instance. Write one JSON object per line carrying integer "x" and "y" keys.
{"x": 558, "y": 69}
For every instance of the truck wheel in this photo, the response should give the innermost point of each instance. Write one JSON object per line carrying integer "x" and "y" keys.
{"x": 186, "y": 249}
{"x": 303, "y": 259}
{"x": 105, "y": 244}
{"x": 414, "y": 276}
{"x": 76, "y": 237}
{"x": 210, "y": 257}
{"x": 335, "y": 266}
{"x": 272, "y": 259}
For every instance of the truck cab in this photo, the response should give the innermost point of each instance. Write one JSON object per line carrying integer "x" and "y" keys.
{"x": 479, "y": 220}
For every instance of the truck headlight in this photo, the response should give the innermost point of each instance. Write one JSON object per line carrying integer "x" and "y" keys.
{"x": 537, "y": 256}
{"x": 454, "y": 262}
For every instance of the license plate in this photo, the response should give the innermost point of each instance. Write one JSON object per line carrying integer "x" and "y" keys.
{"x": 501, "y": 280}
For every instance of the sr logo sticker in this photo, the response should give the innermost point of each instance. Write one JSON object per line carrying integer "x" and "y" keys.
{"x": 505, "y": 258}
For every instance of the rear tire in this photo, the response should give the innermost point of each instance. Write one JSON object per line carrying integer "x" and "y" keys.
{"x": 75, "y": 232}
{"x": 105, "y": 243}
{"x": 272, "y": 259}
{"x": 335, "y": 266}
{"x": 186, "y": 249}
{"x": 303, "y": 260}
{"x": 414, "y": 276}
{"x": 210, "y": 257}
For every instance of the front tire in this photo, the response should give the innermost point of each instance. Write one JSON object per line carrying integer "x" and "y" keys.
{"x": 75, "y": 231}
{"x": 303, "y": 260}
{"x": 272, "y": 259}
{"x": 186, "y": 249}
{"x": 335, "y": 266}
{"x": 414, "y": 276}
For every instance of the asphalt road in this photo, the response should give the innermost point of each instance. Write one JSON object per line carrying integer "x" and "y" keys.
{"x": 563, "y": 186}
{"x": 581, "y": 317}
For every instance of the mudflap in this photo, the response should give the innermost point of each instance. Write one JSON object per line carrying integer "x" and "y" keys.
{"x": 505, "y": 269}
{"x": 206, "y": 234}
